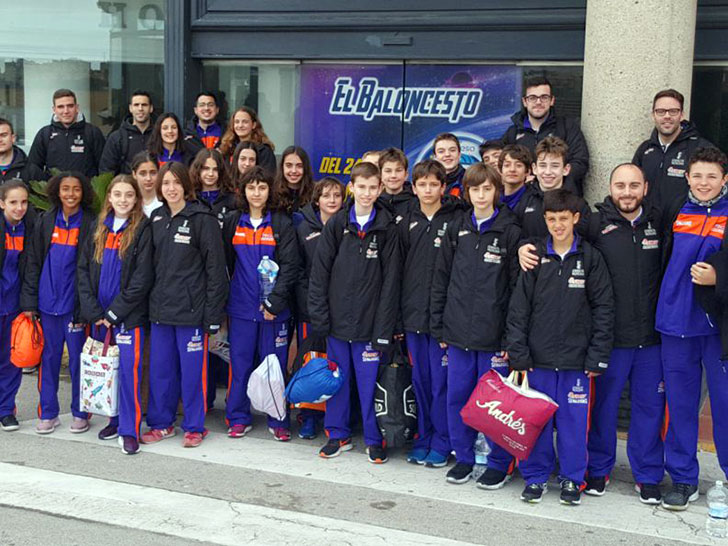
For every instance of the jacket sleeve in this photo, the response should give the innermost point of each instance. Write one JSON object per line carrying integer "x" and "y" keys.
{"x": 509, "y": 136}
{"x": 33, "y": 266}
{"x": 90, "y": 310}
{"x": 519, "y": 317}
{"x": 578, "y": 150}
{"x": 38, "y": 151}
{"x": 213, "y": 256}
{"x": 111, "y": 156}
{"x": 318, "y": 284}
{"x": 289, "y": 263}
{"x": 441, "y": 280}
{"x": 637, "y": 158}
{"x": 266, "y": 158}
{"x": 601, "y": 301}
{"x": 301, "y": 288}
{"x": 140, "y": 283}
{"x": 98, "y": 147}
{"x": 388, "y": 307}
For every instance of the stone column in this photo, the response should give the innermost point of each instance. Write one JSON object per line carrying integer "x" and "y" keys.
{"x": 632, "y": 50}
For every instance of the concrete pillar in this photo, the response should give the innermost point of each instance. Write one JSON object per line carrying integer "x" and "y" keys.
{"x": 633, "y": 48}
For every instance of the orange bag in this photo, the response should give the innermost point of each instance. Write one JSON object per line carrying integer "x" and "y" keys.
{"x": 26, "y": 342}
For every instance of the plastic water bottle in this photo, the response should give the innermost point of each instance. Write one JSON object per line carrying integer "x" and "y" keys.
{"x": 716, "y": 524}
{"x": 267, "y": 274}
{"x": 482, "y": 449}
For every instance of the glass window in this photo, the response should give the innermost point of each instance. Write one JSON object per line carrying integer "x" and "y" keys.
{"x": 709, "y": 103}
{"x": 100, "y": 50}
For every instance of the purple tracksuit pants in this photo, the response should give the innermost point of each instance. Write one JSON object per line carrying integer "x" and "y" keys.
{"x": 10, "y": 375}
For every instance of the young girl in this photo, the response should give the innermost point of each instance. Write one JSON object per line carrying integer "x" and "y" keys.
{"x": 115, "y": 275}
{"x": 168, "y": 141}
{"x": 144, "y": 169}
{"x": 185, "y": 305}
{"x": 49, "y": 290}
{"x": 245, "y": 125}
{"x": 244, "y": 159}
{"x": 257, "y": 328}
{"x": 16, "y": 228}
{"x": 211, "y": 181}
{"x": 328, "y": 197}
{"x": 294, "y": 180}
{"x": 480, "y": 245}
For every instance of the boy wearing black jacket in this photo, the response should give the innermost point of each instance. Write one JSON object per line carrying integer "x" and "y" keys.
{"x": 352, "y": 299}
{"x": 559, "y": 328}
{"x": 397, "y": 192}
{"x": 421, "y": 233}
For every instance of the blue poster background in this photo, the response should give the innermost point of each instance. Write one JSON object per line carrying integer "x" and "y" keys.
{"x": 346, "y": 110}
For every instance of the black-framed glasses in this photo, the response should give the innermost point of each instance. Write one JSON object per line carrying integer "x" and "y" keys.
{"x": 537, "y": 98}
{"x": 662, "y": 111}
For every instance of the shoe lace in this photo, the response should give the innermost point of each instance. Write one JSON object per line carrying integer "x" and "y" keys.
{"x": 568, "y": 485}
{"x": 683, "y": 488}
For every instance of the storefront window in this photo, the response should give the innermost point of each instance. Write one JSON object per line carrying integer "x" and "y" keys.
{"x": 100, "y": 50}
{"x": 709, "y": 103}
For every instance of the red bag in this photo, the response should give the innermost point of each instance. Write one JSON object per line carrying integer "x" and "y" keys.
{"x": 26, "y": 342}
{"x": 512, "y": 416}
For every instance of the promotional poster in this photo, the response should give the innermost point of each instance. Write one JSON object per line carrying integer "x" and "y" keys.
{"x": 347, "y": 110}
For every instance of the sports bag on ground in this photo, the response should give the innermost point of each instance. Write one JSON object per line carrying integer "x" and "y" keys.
{"x": 316, "y": 382}
{"x": 394, "y": 400}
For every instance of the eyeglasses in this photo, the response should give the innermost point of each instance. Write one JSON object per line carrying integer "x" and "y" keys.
{"x": 537, "y": 98}
{"x": 662, "y": 111}
{"x": 206, "y": 105}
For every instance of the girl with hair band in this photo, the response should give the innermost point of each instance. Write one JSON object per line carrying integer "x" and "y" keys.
{"x": 293, "y": 187}
{"x": 186, "y": 305}
{"x": 245, "y": 125}
{"x": 211, "y": 180}
{"x": 144, "y": 169}
{"x": 16, "y": 228}
{"x": 49, "y": 291}
{"x": 115, "y": 275}
{"x": 168, "y": 141}
{"x": 257, "y": 328}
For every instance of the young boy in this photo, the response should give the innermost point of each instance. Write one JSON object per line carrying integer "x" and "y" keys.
{"x": 352, "y": 298}
{"x": 690, "y": 339}
{"x": 560, "y": 323}
{"x": 446, "y": 149}
{"x": 397, "y": 194}
{"x": 372, "y": 156}
{"x": 490, "y": 152}
{"x": 421, "y": 233}
{"x": 514, "y": 163}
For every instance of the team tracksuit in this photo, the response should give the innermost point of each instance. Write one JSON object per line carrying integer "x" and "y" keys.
{"x": 185, "y": 305}
{"x": 529, "y": 211}
{"x": 399, "y": 203}
{"x": 421, "y": 239}
{"x": 209, "y": 137}
{"x": 454, "y": 182}
{"x": 20, "y": 167}
{"x": 353, "y": 295}
{"x": 632, "y": 252}
{"x": 49, "y": 288}
{"x": 13, "y": 241}
{"x": 560, "y": 324}
{"x": 471, "y": 318}
{"x": 122, "y": 145}
{"x": 77, "y": 147}
{"x": 513, "y": 199}
{"x": 116, "y": 290}
{"x": 252, "y": 338}
{"x": 690, "y": 337}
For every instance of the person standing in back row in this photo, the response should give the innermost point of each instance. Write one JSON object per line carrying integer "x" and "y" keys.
{"x": 131, "y": 138}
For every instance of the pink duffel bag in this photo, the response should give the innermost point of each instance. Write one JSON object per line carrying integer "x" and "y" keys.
{"x": 511, "y": 415}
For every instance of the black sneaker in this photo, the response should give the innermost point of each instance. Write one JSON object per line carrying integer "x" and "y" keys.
{"x": 534, "y": 493}
{"x": 333, "y": 448}
{"x": 493, "y": 479}
{"x": 570, "y": 493}
{"x": 109, "y": 432}
{"x": 377, "y": 454}
{"x": 460, "y": 473}
{"x": 9, "y": 423}
{"x": 649, "y": 493}
{"x": 129, "y": 445}
{"x": 680, "y": 496}
{"x": 596, "y": 485}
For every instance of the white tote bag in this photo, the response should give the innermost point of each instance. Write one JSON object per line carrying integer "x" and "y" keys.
{"x": 266, "y": 388}
{"x": 100, "y": 377}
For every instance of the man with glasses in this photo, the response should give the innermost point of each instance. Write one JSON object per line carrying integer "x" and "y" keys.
{"x": 664, "y": 157}
{"x": 204, "y": 123}
{"x": 538, "y": 120}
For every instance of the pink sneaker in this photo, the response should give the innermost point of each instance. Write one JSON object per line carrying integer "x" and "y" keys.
{"x": 47, "y": 426}
{"x": 281, "y": 434}
{"x": 194, "y": 439}
{"x": 79, "y": 425}
{"x": 155, "y": 435}
{"x": 238, "y": 431}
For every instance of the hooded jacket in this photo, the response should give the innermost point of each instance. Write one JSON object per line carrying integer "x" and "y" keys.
{"x": 561, "y": 314}
{"x": 130, "y": 305}
{"x": 308, "y": 234}
{"x": 209, "y": 137}
{"x": 567, "y": 129}
{"x": 222, "y": 203}
{"x": 122, "y": 145}
{"x": 398, "y": 204}
{"x": 190, "y": 284}
{"x": 421, "y": 240}
{"x": 475, "y": 272}
{"x": 74, "y": 148}
{"x": 21, "y": 168}
{"x": 529, "y": 212}
{"x": 354, "y": 286}
{"x": 14, "y": 240}
{"x": 665, "y": 170}
{"x": 633, "y": 254}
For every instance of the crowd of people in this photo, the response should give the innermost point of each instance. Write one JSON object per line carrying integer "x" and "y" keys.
{"x": 498, "y": 266}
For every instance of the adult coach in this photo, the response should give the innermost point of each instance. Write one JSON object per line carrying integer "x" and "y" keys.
{"x": 131, "y": 138}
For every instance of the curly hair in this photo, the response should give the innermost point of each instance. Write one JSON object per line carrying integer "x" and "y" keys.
{"x": 53, "y": 189}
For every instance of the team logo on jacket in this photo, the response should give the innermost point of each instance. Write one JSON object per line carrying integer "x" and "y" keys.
{"x": 610, "y": 227}
{"x": 463, "y": 232}
{"x": 650, "y": 231}
{"x": 491, "y": 258}
{"x": 437, "y": 242}
{"x": 441, "y": 231}
{"x": 678, "y": 160}
{"x": 528, "y": 209}
{"x": 576, "y": 283}
{"x": 372, "y": 251}
{"x": 519, "y": 136}
{"x": 182, "y": 239}
{"x": 494, "y": 248}
{"x": 313, "y": 235}
{"x": 413, "y": 224}
{"x": 578, "y": 271}
{"x": 77, "y": 147}
{"x": 650, "y": 244}
{"x": 672, "y": 171}
{"x": 184, "y": 228}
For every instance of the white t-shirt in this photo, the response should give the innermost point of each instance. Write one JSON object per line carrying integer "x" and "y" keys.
{"x": 118, "y": 222}
{"x": 151, "y": 206}
{"x": 256, "y": 222}
{"x": 361, "y": 220}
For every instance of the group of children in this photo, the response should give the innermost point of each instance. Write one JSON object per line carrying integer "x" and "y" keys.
{"x": 500, "y": 266}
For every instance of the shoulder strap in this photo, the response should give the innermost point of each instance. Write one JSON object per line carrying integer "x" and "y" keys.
{"x": 124, "y": 146}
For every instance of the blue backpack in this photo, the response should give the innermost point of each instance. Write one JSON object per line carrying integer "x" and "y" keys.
{"x": 316, "y": 382}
